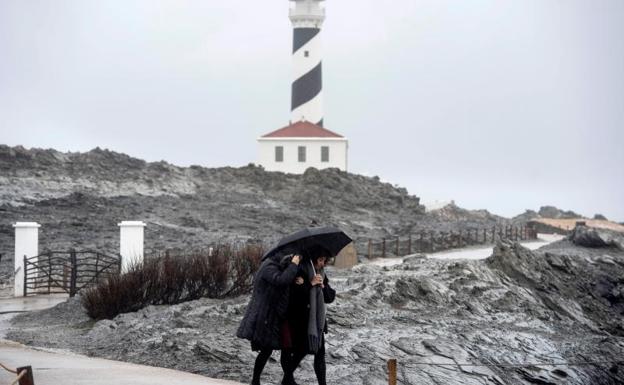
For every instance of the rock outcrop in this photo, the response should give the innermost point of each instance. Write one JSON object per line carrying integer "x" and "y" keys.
{"x": 552, "y": 316}
{"x": 552, "y": 212}
{"x": 80, "y": 197}
{"x": 597, "y": 237}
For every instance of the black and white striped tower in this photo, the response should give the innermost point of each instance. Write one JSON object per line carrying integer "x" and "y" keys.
{"x": 307, "y": 17}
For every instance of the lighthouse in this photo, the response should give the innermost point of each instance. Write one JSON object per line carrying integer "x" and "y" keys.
{"x": 307, "y": 18}
{"x": 304, "y": 142}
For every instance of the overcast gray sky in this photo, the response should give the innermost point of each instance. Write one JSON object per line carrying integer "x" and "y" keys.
{"x": 498, "y": 104}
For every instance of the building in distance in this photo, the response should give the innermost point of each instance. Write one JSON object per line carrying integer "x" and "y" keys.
{"x": 294, "y": 148}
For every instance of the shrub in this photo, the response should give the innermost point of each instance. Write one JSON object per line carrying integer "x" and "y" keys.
{"x": 224, "y": 271}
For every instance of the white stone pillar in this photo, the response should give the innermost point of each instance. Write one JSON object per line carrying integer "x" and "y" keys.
{"x": 26, "y": 244}
{"x": 130, "y": 243}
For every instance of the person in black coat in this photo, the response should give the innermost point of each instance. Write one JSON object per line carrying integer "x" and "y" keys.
{"x": 266, "y": 311}
{"x": 306, "y": 317}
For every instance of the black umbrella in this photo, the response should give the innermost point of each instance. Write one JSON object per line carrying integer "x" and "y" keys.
{"x": 331, "y": 238}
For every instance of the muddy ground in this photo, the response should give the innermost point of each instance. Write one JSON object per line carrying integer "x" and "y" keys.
{"x": 562, "y": 304}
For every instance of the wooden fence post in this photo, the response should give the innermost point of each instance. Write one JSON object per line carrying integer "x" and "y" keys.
{"x": 392, "y": 371}
{"x": 74, "y": 273}
{"x": 64, "y": 276}
{"x": 25, "y": 267}
{"x": 27, "y": 378}
{"x": 383, "y": 248}
{"x": 397, "y": 247}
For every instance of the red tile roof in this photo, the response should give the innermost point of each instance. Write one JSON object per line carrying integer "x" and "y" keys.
{"x": 303, "y": 129}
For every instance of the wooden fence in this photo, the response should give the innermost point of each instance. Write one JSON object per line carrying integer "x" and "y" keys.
{"x": 67, "y": 271}
{"x": 432, "y": 241}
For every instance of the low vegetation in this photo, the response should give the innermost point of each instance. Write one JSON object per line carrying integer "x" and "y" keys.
{"x": 224, "y": 271}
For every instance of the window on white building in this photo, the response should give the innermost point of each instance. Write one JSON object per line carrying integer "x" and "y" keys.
{"x": 302, "y": 153}
{"x": 324, "y": 153}
{"x": 279, "y": 153}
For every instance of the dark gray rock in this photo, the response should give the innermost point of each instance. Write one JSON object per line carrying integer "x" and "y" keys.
{"x": 443, "y": 322}
{"x": 79, "y": 198}
{"x": 555, "y": 213}
{"x": 597, "y": 238}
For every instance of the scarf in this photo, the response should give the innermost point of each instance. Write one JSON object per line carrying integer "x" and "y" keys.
{"x": 316, "y": 320}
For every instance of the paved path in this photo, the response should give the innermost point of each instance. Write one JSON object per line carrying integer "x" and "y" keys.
{"x": 477, "y": 252}
{"x": 21, "y": 304}
{"x": 61, "y": 368}
{"x": 67, "y": 369}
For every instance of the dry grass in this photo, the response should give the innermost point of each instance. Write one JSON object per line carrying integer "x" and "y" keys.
{"x": 224, "y": 272}
{"x": 569, "y": 224}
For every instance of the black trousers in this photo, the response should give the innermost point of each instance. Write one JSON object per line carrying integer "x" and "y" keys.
{"x": 290, "y": 360}
{"x": 261, "y": 360}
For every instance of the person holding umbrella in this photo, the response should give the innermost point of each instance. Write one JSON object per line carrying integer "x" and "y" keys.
{"x": 270, "y": 301}
{"x": 266, "y": 311}
{"x": 306, "y": 317}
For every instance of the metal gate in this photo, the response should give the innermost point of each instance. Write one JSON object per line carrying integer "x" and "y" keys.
{"x": 67, "y": 271}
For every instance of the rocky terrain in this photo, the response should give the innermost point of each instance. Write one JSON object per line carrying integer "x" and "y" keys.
{"x": 79, "y": 198}
{"x": 550, "y": 212}
{"x": 552, "y": 316}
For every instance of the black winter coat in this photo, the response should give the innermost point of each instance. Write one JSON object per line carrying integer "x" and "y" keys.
{"x": 267, "y": 308}
{"x": 298, "y": 314}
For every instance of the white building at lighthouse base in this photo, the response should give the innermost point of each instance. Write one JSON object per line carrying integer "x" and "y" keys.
{"x": 295, "y": 148}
